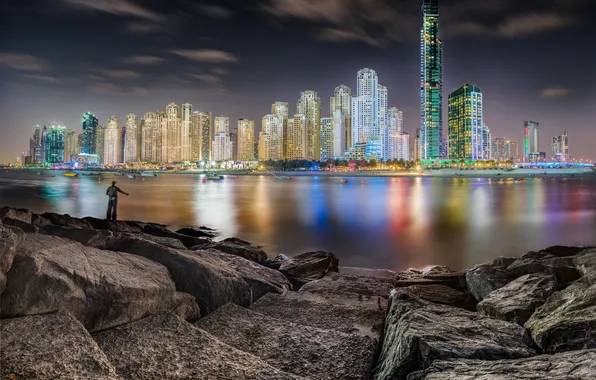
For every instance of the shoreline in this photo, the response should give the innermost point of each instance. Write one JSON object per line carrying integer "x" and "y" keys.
{"x": 132, "y": 299}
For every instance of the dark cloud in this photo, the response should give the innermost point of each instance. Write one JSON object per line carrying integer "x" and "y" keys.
{"x": 19, "y": 61}
{"x": 143, "y": 59}
{"x": 555, "y": 92}
{"x": 214, "y": 11}
{"x": 43, "y": 78}
{"x": 207, "y": 55}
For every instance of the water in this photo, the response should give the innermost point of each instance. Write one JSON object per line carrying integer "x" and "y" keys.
{"x": 391, "y": 223}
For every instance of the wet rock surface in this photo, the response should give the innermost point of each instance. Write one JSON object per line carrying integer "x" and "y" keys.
{"x": 102, "y": 289}
{"x": 516, "y": 301}
{"x": 292, "y": 347}
{"x": 198, "y": 232}
{"x": 573, "y": 365}
{"x": 50, "y": 346}
{"x": 9, "y": 243}
{"x": 309, "y": 267}
{"x": 166, "y": 347}
{"x": 418, "y": 332}
{"x": 442, "y": 294}
{"x": 237, "y": 247}
{"x": 335, "y": 283}
{"x": 431, "y": 275}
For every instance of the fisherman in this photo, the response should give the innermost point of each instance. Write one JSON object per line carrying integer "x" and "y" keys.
{"x": 112, "y": 193}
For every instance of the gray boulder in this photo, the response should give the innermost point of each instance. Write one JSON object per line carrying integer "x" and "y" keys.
{"x": 87, "y": 236}
{"x": 262, "y": 280}
{"x": 484, "y": 278}
{"x": 276, "y": 262}
{"x": 573, "y": 365}
{"x": 585, "y": 261}
{"x": 291, "y": 347}
{"x": 442, "y": 294}
{"x": 50, "y": 346}
{"x": 345, "y": 312}
{"x": 61, "y": 220}
{"x": 309, "y": 267}
{"x": 431, "y": 275}
{"x": 25, "y": 227}
{"x": 567, "y": 320}
{"x": 115, "y": 225}
{"x": 166, "y": 347}
{"x": 418, "y": 332}
{"x": 188, "y": 241}
{"x": 237, "y": 247}
{"x": 15, "y": 213}
{"x": 101, "y": 289}
{"x": 208, "y": 278}
{"x": 198, "y": 232}
{"x": 516, "y": 301}
{"x": 9, "y": 244}
{"x": 561, "y": 267}
{"x": 335, "y": 283}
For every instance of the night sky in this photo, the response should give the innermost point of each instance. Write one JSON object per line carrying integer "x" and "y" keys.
{"x": 532, "y": 59}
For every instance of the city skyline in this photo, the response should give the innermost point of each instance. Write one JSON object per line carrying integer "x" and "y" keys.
{"x": 513, "y": 90}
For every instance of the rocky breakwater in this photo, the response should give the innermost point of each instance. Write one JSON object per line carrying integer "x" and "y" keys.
{"x": 94, "y": 299}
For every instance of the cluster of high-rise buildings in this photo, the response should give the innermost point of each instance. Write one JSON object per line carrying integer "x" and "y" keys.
{"x": 359, "y": 125}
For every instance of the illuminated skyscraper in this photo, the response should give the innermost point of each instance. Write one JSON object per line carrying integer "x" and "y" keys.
{"x": 365, "y": 106}
{"x": 222, "y": 145}
{"x": 431, "y": 82}
{"x": 200, "y": 136}
{"x": 342, "y": 101}
{"x": 130, "y": 142}
{"x": 271, "y": 138}
{"x": 309, "y": 104}
{"x": 339, "y": 133}
{"x": 467, "y": 132}
{"x": 89, "y": 134}
{"x": 326, "y": 137}
{"x": 498, "y": 146}
{"x": 296, "y": 137}
{"x": 397, "y": 142}
{"x": 111, "y": 148}
{"x": 246, "y": 140}
{"x": 54, "y": 144}
{"x": 149, "y": 134}
{"x": 185, "y": 133}
{"x": 206, "y": 129}
{"x": 560, "y": 146}
{"x": 173, "y": 132}
{"x": 99, "y": 143}
{"x": 531, "y": 147}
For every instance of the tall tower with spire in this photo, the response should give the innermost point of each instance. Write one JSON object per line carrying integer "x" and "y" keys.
{"x": 431, "y": 82}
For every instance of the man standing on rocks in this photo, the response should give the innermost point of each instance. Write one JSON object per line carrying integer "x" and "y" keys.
{"x": 112, "y": 193}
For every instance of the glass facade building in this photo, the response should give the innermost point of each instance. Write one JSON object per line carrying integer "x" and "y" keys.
{"x": 89, "y": 134}
{"x": 467, "y": 132}
{"x": 431, "y": 82}
{"x": 54, "y": 144}
{"x": 531, "y": 147}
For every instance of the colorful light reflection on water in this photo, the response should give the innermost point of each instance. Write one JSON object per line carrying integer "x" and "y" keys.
{"x": 392, "y": 223}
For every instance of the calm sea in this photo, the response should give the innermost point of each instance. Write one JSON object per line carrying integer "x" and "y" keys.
{"x": 391, "y": 223}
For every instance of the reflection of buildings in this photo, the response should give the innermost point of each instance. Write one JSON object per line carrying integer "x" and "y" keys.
{"x": 560, "y": 147}
{"x": 531, "y": 147}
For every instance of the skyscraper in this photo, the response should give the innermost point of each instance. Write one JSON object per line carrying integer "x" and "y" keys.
{"x": 309, "y": 104}
{"x": 271, "y": 138}
{"x": 365, "y": 106}
{"x": 173, "y": 132}
{"x": 397, "y": 142}
{"x": 339, "y": 133}
{"x": 37, "y": 144}
{"x": 89, "y": 133}
{"x": 498, "y": 146}
{"x": 282, "y": 109}
{"x": 246, "y": 140}
{"x": 99, "y": 142}
{"x": 206, "y": 130}
{"x": 431, "y": 82}
{"x": 531, "y": 147}
{"x": 111, "y": 142}
{"x": 222, "y": 145}
{"x": 326, "y": 137}
{"x": 466, "y": 128}
{"x": 342, "y": 101}
{"x": 54, "y": 144}
{"x": 149, "y": 135}
{"x": 297, "y": 138}
{"x": 560, "y": 147}
{"x": 185, "y": 133}
{"x": 130, "y": 142}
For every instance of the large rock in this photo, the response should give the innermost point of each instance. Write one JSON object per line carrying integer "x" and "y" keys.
{"x": 114, "y": 225}
{"x": 211, "y": 280}
{"x": 9, "y": 243}
{"x": 565, "y": 366}
{"x": 291, "y": 347}
{"x": 585, "y": 261}
{"x": 166, "y": 347}
{"x": 334, "y": 283}
{"x": 275, "y": 263}
{"x": 102, "y": 289}
{"x": 25, "y": 227}
{"x": 442, "y": 294}
{"x": 50, "y": 346}
{"x": 15, "y": 213}
{"x": 567, "y": 320}
{"x": 61, "y": 220}
{"x": 418, "y": 332}
{"x": 237, "y": 247}
{"x": 309, "y": 267}
{"x": 484, "y": 278}
{"x": 431, "y": 275}
{"x": 516, "y": 301}
{"x": 345, "y": 312}
{"x": 188, "y": 241}
{"x": 561, "y": 267}
{"x": 262, "y": 280}
{"x": 198, "y": 232}
{"x": 86, "y": 236}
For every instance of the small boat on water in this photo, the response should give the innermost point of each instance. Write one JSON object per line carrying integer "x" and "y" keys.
{"x": 213, "y": 177}
{"x": 148, "y": 174}
{"x": 70, "y": 174}
{"x": 132, "y": 176}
